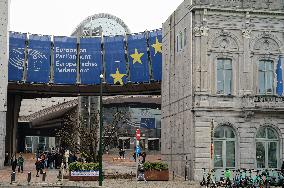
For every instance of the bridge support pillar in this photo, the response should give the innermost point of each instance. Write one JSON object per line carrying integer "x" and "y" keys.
{"x": 13, "y": 109}
{"x": 88, "y": 107}
{"x": 4, "y": 49}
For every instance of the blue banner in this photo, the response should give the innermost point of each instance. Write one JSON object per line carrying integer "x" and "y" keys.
{"x": 138, "y": 58}
{"x": 279, "y": 87}
{"x": 16, "y": 56}
{"x": 149, "y": 123}
{"x": 114, "y": 59}
{"x": 155, "y": 43}
{"x": 90, "y": 60}
{"x": 65, "y": 55}
{"x": 38, "y": 67}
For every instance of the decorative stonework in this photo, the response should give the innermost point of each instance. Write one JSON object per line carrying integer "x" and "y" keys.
{"x": 200, "y": 30}
{"x": 266, "y": 45}
{"x": 266, "y": 42}
{"x": 224, "y": 42}
{"x": 255, "y": 4}
{"x": 246, "y": 33}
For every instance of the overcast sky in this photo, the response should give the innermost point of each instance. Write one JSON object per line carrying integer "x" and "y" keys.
{"x": 60, "y": 17}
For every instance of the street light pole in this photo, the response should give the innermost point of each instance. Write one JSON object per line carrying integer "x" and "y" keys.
{"x": 101, "y": 132}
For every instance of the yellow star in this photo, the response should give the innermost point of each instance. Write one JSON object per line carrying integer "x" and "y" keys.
{"x": 137, "y": 56}
{"x": 157, "y": 46}
{"x": 117, "y": 77}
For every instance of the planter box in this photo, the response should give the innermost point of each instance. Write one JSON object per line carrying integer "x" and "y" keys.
{"x": 155, "y": 175}
{"x": 84, "y": 176}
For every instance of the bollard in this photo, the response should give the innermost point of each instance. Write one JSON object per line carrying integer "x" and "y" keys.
{"x": 185, "y": 173}
{"x": 43, "y": 176}
{"x": 29, "y": 177}
{"x": 131, "y": 175}
{"x": 59, "y": 175}
{"x": 13, "y": 177}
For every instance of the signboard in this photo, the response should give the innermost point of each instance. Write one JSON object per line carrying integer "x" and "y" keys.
{"x": 65, "y": 59}
{"x": 85, "y": 173}
{"x": 155, "y": 43}
{"x": 38, "y": 59}
{"x": 149, "y": 123}
{"x": 90, "y": 60}
{"x": 16, "y": 56}
{"x": 138, "y": 58}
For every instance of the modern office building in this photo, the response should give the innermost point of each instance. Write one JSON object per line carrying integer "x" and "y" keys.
{"x": 222, "y": 84}
{"x": 38, "y": 126}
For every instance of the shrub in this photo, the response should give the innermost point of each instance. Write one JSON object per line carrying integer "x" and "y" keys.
{"x": 155, "y": 166}
{"x": 78, "y": 166}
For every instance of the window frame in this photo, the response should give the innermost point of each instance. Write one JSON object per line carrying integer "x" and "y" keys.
{"x": 224, "y": 141}
{"x": 224, "y": 71}
{"x": 266, "y": 141}
{"x": 266, "y": 73}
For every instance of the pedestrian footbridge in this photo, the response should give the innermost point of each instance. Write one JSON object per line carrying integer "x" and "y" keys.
{"x": 42, "y": 65}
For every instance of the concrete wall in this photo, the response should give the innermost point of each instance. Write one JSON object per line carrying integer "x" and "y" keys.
{"x": 177, "y": 136}
{"x": 218, "y": 29}
{"x": 4, "y": 26}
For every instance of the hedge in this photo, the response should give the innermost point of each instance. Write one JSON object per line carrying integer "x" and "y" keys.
{"x": 155, "y": 166}
{"x": 79, "y": 166}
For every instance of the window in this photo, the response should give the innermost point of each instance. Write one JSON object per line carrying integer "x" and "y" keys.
{"x": 181, "y": 40}
{"x": 224, "y": 76}
{"x": 265, "y": 77}
{"x": 224, "y": 147}
{"x": 184, "y": 34}
{"x": 267, "y": 148}
{"x": 177, "y": 44}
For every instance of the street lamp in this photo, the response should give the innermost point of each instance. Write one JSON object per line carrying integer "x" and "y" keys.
{"x": 101, "y": 133}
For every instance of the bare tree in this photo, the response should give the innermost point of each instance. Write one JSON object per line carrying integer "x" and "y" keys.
{"x": 83, "y": 137}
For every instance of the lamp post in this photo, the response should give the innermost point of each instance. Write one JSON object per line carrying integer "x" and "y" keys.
{"x": 101, "y": 132}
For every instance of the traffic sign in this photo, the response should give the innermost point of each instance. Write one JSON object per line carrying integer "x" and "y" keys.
{"x": 138, "y": 134}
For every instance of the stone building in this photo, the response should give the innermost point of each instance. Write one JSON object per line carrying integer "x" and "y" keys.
{"x": 222, "y": 70}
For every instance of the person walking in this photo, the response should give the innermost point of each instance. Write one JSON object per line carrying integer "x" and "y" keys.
{"x": 21, "y": 163}
{"x": 143, "y": 155}
{"x": 14, "y": 163}
{"x": 38, "y": 165}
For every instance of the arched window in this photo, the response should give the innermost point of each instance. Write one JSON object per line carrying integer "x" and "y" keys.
{"x": 224, "y": 147}
{"x": 267, "y": 148}
{"x": 265, "y": 77}
{"x": 224, "y": 76}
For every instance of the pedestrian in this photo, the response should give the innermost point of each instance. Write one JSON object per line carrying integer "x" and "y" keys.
{"x": 38, "y": 165}
{"x": 282, "y": 168}
{"x": 141, "y": 172}
{"x": 21, "y": 161}
{"x": 14, "y": 162}
{"x": 143, "y": 155}
{"x": 120, "y": 152}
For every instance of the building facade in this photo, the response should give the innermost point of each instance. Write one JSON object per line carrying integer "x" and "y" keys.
{"x": 222, "y": 84}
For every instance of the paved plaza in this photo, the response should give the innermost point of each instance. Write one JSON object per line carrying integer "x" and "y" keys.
{"x": 110, "y": 166}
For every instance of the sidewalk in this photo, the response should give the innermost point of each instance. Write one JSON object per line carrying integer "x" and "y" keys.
{"x": 110, "y": 166}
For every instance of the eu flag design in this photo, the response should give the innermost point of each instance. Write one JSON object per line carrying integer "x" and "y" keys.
{"x": 65, "y": 60}
{"x": 149, "y": 123}
{"x": 155, "y": 43}
{"x": 16, "y": 56}
{"x": 90, "y": 60}
{"x": 279, "y": 87}
{"x": 138, "y": 58}
{"x": 38, "y": 67}
{"x": 114, "y": 58}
